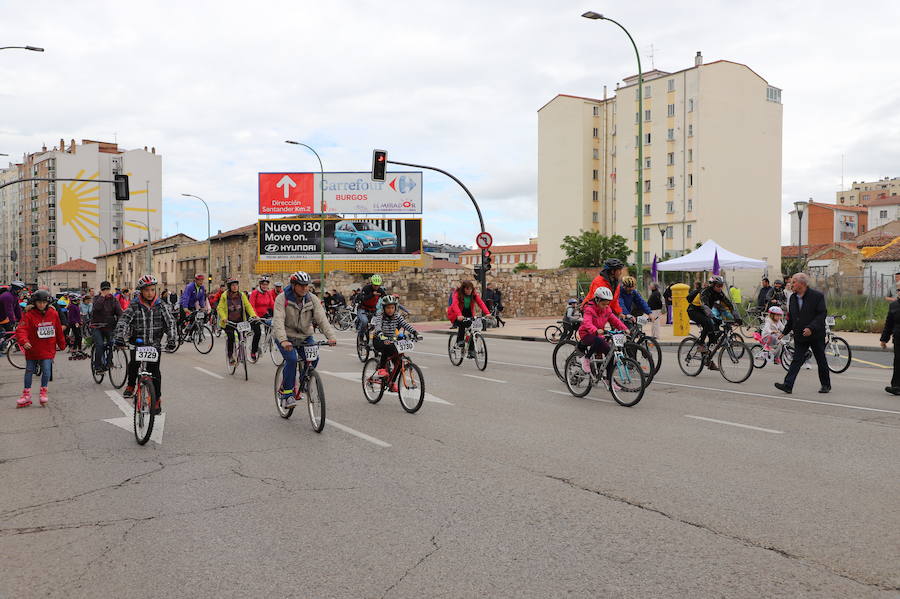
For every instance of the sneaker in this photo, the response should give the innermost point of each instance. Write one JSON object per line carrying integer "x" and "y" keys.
{"x": 288, "y": 400}
{"x": 471, "y": 354}
{"x": 158, "y": 409}
{"x": 25, "y": 400}
{"x": 254, "y": 358}
{"x": 43, "y": 396}
{"x": 586, "y": 364}
{"x": 711, "y": 366}
{"x": 129, "y": 393}
{"x": 394, "y": 387}
{"x": 232, "y": 362}
{"x": 381, "y": 373}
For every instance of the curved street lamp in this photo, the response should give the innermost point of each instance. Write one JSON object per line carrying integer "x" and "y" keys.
{"x": 32, "y": 48}
{"x": 208, "y": 238}
{"x": 321, "y": 214}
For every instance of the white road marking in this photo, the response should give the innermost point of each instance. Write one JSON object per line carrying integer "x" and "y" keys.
{"x": 483, "y": 378}
{"x": 444, "y": 355}
{"x": 127, "y": 422}
{"x": 356, "y": 377}
{"x": 357, "y": 433}
{"x": 567, "y": 394}
{"x": 783, "y": 398}
{"x": 755, "y": 428}
{"x": 210, "y": 373}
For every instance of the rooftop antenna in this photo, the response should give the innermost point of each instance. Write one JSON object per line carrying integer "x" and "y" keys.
{"x": 652, "y": 57}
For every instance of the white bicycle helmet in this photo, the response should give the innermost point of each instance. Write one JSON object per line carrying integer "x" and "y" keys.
{"x": 776, "y": 310}
{"x": 603, "y": 293}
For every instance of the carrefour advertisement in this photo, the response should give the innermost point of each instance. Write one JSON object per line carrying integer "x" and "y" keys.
{"x": 342, "y": 193}
{"x": 345, "y": 239}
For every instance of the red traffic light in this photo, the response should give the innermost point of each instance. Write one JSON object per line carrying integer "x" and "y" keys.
{"x": 379, "y": 164}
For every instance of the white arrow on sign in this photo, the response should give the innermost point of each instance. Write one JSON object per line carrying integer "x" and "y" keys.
{"x": 286, "y": 183}
{"x": 127, "y": 422}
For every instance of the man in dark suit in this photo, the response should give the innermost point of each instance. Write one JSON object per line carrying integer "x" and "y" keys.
{"x": 892, "y": 328}
{"x": 806, "y": 320}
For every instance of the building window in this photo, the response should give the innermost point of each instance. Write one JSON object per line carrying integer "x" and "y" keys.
{"x": 690, "y": 131}
{"x": 690, "y": 207}
{"x": 647, "y": 185}
{"x": 690, "y": 231}
{"x": 670, "y": 207}
{"x": 596, "y": 132}
{"x": 647, "y": 138}
{"x": 596, "y": 154}
{"x": 671, "y": 83}
{"x": 882, "y": 214}
{"x": 646, "y": 116}
{"x": 635, "y": 234}
{"x": 637, "y": 140}
{"x": 637, "y": 163}
{"x": 670, "y": 134}
{"x": 690, "y": 180}
{"x": 671, "y": 110}
{"x": 595, "y": 195}
{"x": 646, "y": 233}
{"x": 646, "y": 209}
{"x": 646, "y": 91}
{"x": 637, "y": 117}
{"x": 691, "y": 105}
{"x": 596, "y": 174}
{"x": 595, "y": 217}
{"x": 646, "y": 257}
{"x": 646, "y": 162}
{"x": 865, "y": 197}
{"x": 773, "y": 94}
{"x": 670, "y": 158}
{"x": 670, "y": 232}
{"x": 690, "y": 155}
{"x": 596, "y": 112}
{"x": 670, "y": 182}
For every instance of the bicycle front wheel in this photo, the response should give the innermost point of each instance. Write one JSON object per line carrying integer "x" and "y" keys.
{"x": 362, "y": 348}
{"x": 561, "y": 353}
{"x": 838, "y": 355}
{"x": 372, "y": 385}
{"x": 455, "y": 352}
{"x": 275, "y": 353}
{"x": 15, "y": 355}
{"x": 735, "y": 361}
{"x": 481, "y": 355}
{"x": 411, "y": 388}
{"x": 203, "y": 339}
{"x": 652, "y": 346}
{"x": 315, "y": 401}
{"x": 279, "y": 383}
{"x": 690, "y": 359}
{"x": 578, "y": 382}
{"x": 641, "y": 355}
{"x": 243, "y": 358}
{"x": 552, "y": 333}
{"x": 787, "y": 355}
{"x": 118, "y": 367}
{"x": 144, "y": 399}
{"x": 759, "y": 355}
{"x": 628, "y": 382}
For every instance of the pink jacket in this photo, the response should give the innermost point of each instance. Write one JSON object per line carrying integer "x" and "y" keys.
{"x": 595, "y": 318}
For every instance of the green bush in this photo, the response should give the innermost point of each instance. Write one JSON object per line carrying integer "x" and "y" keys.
{"x": 863, "y": 314}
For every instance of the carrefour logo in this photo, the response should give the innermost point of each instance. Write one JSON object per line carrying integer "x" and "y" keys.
{"x": 402, "y": 184}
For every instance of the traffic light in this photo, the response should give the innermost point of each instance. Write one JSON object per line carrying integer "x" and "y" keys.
{"x": 379, "y": 164}
{"x": 478, "y": 272}
{"x": 487, "y": 259}
{"x": 121, "y": 185}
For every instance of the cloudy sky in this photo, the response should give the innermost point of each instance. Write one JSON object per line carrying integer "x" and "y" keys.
{"x": 217, "y": 87}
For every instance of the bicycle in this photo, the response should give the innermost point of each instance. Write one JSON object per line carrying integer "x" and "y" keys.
{"x": 625, "y": 377}
{"x": 735, "y": 361}
{"x": 752, "y": 320}
{"x": 763, "y": 353}
{"x": 344, "y": 318}
{"x": 195, "y": 329}
{"x": 10, "y": 347}
{"x": 244, "y": 329}
{"x": 114, "y": 361}
{"x": 145, "y": 399}
{"x": 363, "y": 345}
{"x": 837, "y": 350}
{"x": 649, "y": 343}
{"x": 309, "y": 385}
{"x": 408, "y": 376}
{"x": 473, "y": 342}
{"x": 268, "y": 344}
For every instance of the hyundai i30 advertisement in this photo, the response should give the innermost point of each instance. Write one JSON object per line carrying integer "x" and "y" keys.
{"x": 345, "y": 239}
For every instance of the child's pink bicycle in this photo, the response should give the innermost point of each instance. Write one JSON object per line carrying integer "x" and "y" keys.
{"x": 763, "y": 353}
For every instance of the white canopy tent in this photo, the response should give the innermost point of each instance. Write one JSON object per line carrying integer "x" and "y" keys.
{"x": 704, "y": 256}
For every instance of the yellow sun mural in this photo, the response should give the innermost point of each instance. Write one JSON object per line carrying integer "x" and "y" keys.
{"x": 80, "y": 210}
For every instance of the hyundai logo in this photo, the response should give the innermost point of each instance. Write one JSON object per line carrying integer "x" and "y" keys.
{"x": 271, "y": 248}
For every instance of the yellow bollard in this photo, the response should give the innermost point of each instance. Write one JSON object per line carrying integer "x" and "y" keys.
{"x": 681, "y": 323}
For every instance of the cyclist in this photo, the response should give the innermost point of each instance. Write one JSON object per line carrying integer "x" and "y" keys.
{"x": 10, "y": 310}
{"x": 609, "y": 277}
{"x": 105, "y": 315}
{"x": 124, "y": 298}
{"x": 297, "y": 311}
{"x": 39, "y": 334}
{"x": 192, "y": 299}
{"x": 263, "y": 301}
{"x": 597, "y": 313}
{"x": 631, "y": 301}
{"x": 386, "y": 324}
{"x": 700, "y": 305}
{"x": 368, "y": 302}
{"x": 74, "y": 315}
{"x": 572, "y": 318}
{"x": 234, "y": 306}
{"x": 278, "y": 288}
{"x": 462, "y": 310}
{"x": 148, "y": 319}
{"x": 773, "y": 329}
{"x": 777, "y": 295}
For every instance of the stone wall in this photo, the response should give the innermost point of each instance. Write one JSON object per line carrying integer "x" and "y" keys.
{"x": 534, "y": 293}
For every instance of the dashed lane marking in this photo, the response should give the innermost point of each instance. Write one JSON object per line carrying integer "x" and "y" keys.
{"x": 356, "y": 377}
{"x": 483, "y": 378}
{"x": 357, "y": 433}
{"x": 567, "y": 394}
{"x": 209, "y": 372}
{"x": 755, "y": 428}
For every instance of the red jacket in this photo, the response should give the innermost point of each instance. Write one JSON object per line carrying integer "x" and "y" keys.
{"x": 123, "y": 302}
{"x": 600, "y": 281}
{"x": 263, "y": 302}
{"x": 43, "y": 331}
{"x": 454, "y": 311}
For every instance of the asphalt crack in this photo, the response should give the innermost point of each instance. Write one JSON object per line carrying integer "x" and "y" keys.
{"x": 431, "y": 551}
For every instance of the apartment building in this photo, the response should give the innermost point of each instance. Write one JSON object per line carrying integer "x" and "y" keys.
{"x": 10, "y": 215}
{"x": 504, "y": 258}
{"x": 882, "y": 210}
{"x": 63, "y": 220}
{"x": 863, "y": 192}
{"x": 712, "y": 141}
{"x": 828, "y": 223}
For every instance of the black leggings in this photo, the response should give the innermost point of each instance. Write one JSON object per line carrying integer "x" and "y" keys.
{"x": 387, "y": 352}
{"x": 461, "y": 327}
{"x": 708, "y": 331}
{"x": 152, "y": 368}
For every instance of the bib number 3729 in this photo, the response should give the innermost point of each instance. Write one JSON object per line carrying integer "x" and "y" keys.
{"x": 146, "y": 354}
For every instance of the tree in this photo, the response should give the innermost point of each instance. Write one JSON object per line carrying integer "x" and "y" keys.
{"x": 590, "y": 248}
{"x": 522, "y": 266}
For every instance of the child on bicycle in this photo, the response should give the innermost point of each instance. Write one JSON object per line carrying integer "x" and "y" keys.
{"x": 772, "y": 331}
{"x": 40, "y": 335}
{"x": 597, "y": 313}
{"x": 386, "y": 325}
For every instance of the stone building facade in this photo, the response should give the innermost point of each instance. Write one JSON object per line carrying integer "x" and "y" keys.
{"x": 122, "y": 268}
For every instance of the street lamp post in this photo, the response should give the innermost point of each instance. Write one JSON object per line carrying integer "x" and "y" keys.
{"x": 662, "y": 239}
{"x": 32, "y": 48}
{"x": 639, "y": 262}
{"x": 208, "y": 237}
{"x": 800, "y": 207}
{"x": 321, "y": 214}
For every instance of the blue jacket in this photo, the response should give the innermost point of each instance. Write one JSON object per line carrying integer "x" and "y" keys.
{"x": 193, "y": 296}
{"x": 629, "y": 301}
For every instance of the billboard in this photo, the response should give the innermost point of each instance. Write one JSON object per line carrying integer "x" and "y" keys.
{"x": 344, "y": 193}
{"x": 345, "y": 239}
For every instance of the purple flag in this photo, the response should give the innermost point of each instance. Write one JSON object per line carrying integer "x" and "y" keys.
{"x": 653, "y": 268}
{"x": 716, "y": 263}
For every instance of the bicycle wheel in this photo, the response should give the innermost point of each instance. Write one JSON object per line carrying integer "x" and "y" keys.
{"x": 641, "y": 355}
{"x": 15, "y": 356}
{"x": 787, "y": 355}
{"x": 690, "y": 360}
{"x": 243, "y": 357}
{"x": 171, "y": 348}
{"x": 652, "y": 346}
{"x": 561, "y": 353}
{"x": 344, "y": 321}
{"x": 373, "y": 387}
{"x": 838, "y": 355}
{"x": 315, "y": 401}
{"x": 455, "y": 352}
{"x": 203, "y": 339}
{"x": 231, "y": 367}
{"x": 144, "y": 398}
{"x": 735, "y": 361}
{"x": 118, "y": 367}
{"x": 362, "y": 347}
{"x": 552, "y": 333}
{"x": 578, "y": 382}
{"x": 628, "y": 382}
{"x": 481, "y": 354}
{"x": 279, "y": 380}
{"x": 274, "y": 352}
{"x": 96, "y": 353}
{"x": 758, "y": 355}
{"x": 411, "y": 387}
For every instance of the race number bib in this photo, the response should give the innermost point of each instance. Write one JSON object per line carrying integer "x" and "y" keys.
{"x": 477, "y": 324}
{"x": 619, "y": 339}
{"x": 404, "y": 345}
{"x": 146, "y": 353}
{"x": 829, "y": 320}
{"x": 642, "y": 320}
{"x": 46, "y": 330}
{"x": 311, "y": 352}
{"x": 243, "y": 327}
{"x": 199, "y": 317}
